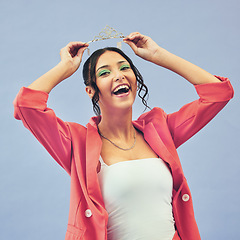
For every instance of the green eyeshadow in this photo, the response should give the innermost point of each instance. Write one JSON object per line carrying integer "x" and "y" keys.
{"x": 103, "y": 72}
{"x": 124, "y": 66}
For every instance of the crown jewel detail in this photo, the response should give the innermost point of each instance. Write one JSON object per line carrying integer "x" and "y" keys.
{"x": 107, "y": 33}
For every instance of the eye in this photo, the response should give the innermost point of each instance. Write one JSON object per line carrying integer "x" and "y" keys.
{"x": 124, "y": 67}
{"x": 103, "y": 72}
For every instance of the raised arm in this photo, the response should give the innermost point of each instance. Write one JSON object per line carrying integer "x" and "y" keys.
{"x": 30, "y": 106}
{"x": 71, "y": 57}
{"x": 214, "y": 92}
{"x": 147, "y": 49}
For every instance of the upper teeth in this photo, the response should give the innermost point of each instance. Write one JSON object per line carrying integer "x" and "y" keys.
{"x": 121, "y": 87}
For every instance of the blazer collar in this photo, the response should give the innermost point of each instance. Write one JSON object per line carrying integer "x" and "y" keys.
{"x": 93, "y": 151}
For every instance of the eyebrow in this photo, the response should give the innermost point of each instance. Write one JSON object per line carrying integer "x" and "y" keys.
{"x": 105, "y": 66}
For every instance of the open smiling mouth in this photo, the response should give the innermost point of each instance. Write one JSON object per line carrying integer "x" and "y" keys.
{"x": 121, "y": 90}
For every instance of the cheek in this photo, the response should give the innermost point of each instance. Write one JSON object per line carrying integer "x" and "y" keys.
{"x": 134, "y": 84}
{"x": 104, "y": 91}
{"x": 101, "y": 86}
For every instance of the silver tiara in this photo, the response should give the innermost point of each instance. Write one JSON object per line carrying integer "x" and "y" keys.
{"x": 107, "y": 33}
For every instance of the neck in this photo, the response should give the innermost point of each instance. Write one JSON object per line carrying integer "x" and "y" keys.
{"x": 117, "y": 125}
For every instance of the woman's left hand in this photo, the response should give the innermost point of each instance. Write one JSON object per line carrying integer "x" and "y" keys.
{"x": 142, "y": 45}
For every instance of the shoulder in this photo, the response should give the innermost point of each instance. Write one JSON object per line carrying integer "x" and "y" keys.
{"x": 76, "y": 129}
{"x": 155, "y": 113}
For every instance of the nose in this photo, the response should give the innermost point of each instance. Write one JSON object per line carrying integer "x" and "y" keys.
{"x": 118, "y": 76}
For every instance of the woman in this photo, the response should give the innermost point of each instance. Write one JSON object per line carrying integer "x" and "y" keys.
{"x": 126, "y": 178}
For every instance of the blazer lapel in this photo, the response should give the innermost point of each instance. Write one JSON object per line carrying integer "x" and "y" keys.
{"x": 154, "y": 140}
{"x": 93, "y": 150}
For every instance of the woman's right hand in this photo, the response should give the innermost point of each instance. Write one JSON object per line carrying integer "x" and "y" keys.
{"x": 71, "y": 56}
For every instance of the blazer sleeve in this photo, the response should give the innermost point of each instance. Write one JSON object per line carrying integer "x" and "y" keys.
{"x": 192, "y": 117}
{"x": 30, "y": 106}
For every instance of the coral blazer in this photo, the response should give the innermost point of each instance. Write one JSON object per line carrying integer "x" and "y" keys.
{"x": 77, "y": 149}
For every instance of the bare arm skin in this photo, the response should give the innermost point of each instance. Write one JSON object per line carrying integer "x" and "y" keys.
{"x": 71, "y": 57}
{"x": 147, "y": 49}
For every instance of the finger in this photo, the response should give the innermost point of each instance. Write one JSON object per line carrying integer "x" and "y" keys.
{"x": 131, "y": 44}
{"x": 74, "y": 47}
{"x": 65, "y": 52}
{"x": 134, "y": 35}
{"x": 81, "y": 51}
{"x": 77, "y": 44}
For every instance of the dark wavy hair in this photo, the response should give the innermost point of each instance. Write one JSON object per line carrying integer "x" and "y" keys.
{"x": 89, "y": 76}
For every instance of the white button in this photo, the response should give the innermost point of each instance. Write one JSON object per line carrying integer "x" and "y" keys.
{"x": 88, "y": 213}
{"x": 185, "y": 197}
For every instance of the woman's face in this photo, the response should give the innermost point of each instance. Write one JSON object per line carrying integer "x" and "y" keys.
{"x": 116, "y": 82}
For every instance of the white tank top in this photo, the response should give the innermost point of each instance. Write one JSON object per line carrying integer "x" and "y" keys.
{"x": 138, "y": 198}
